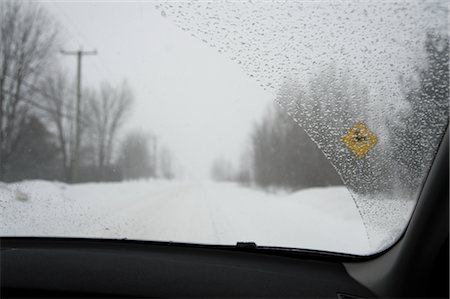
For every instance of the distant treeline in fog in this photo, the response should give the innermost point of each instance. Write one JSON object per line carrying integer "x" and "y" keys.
{"x": 280, "y": 153}
{"x": 38, "y": 112}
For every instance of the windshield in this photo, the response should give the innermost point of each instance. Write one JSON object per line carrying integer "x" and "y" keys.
{"x": 298, "y": 124}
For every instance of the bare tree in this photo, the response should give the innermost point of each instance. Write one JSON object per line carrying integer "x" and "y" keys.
{"x": 221, "y": 170}
{"x": 108, "y": 111}
{"x": 282, "y": 155}
{"x": 134, "y": 157}
{"x": 60, "y": 112}
{"x": 165, "y": 163}
{"x": 27, "y": 40}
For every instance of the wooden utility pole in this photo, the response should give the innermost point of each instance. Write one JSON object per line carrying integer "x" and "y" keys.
{"x": 75, "y": 157}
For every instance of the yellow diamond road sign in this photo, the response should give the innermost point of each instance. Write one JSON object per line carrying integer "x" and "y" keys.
{"x": 360, "y": 139}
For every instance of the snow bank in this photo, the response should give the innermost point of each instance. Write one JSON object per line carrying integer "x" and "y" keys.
{"x": 182, "y": 211}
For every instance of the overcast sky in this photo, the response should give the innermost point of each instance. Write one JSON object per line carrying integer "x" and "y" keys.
{"x": 200, "y": 104}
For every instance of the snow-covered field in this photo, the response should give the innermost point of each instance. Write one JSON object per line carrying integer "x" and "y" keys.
{"x": 184, "y": 211}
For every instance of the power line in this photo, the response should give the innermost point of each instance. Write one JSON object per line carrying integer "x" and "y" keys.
{"x": 37, "y": 89}
{"x": 37, "y": 105}
{"x": 44, "y": 94}
{"x": 102, "y": 68}
{"x": 76, "y": 156}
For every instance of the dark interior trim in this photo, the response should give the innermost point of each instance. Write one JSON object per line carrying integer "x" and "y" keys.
{"x": 80, "y": 268}
{"x": 406, "y": 269}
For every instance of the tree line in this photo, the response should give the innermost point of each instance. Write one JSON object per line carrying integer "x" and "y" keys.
{"x": 414, "y": 133}
{"x": 38, "y": 112}
{"x": 281, "y": 154}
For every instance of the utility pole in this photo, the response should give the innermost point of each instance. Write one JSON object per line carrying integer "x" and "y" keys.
{"x": 75, "y": 157}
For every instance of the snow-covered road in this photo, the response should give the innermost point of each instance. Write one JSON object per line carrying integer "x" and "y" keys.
{"x": 183, "y": 211}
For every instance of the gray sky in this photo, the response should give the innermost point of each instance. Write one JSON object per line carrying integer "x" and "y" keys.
{"x": 200, "y": 104}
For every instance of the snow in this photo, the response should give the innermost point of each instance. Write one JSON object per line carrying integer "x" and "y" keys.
{"x": 184, "y": 211}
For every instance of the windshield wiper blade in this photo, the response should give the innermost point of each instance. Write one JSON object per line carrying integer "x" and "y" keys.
{"x": 246, "y": 245}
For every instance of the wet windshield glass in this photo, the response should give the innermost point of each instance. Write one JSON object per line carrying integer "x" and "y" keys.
{"x": 302, "y": 124}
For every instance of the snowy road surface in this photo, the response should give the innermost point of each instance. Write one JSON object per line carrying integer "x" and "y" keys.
{"x": 194, "y": 212}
